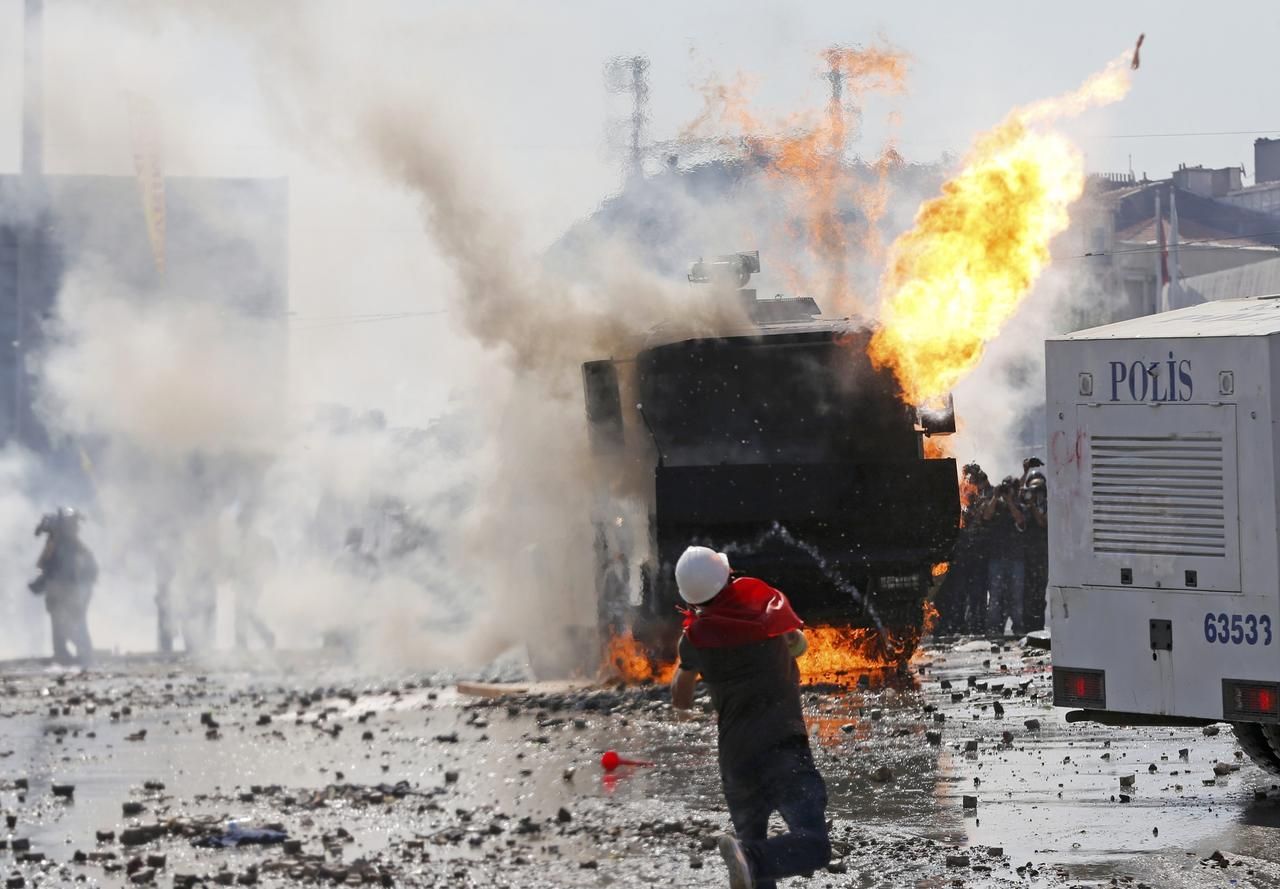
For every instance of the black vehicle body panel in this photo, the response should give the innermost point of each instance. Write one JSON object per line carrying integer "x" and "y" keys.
{"x": 783, "y": 446}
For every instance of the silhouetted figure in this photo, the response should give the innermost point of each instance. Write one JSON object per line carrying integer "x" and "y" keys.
{"x": 165, "y": 629}
{"x": 962, "y": 601}
{"x": 199, "y": 619}
{"x": 67, "y": 574}
{"x": 166, "y": 556}
{"x": 255, "y": 562}
{"x": 1035, "y": 499}
{"x": 1006, "y": 565}
{"x": 361, "y": 567}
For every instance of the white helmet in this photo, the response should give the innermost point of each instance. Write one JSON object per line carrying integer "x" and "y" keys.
{"x": 701, "y": 573}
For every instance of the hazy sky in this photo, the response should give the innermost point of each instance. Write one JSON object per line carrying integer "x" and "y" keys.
{"x": 528, "y": 76}
{"x": 522, "y": 86}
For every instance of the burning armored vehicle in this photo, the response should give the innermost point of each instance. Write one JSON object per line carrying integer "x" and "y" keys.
{"x": 779, "y": 443}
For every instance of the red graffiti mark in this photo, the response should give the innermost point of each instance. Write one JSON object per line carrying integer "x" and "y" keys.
{"x": 1064, "y": 452}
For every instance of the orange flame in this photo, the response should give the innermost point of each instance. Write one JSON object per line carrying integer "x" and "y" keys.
{"x": 839, "y": 654}
{"x": 931, "y": 615}
{"x": 627, "y": 660}
{"x": 968, "y": 497}
{"x": 974, "y": 252}
{"x": 940, "y": 569}
{"x": 808, "y": 152}
{"x": 936, "y": 448}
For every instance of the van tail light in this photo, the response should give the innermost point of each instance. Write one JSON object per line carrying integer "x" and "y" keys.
{"x": 1079, "y": 688}
{"x": 1248, "y": 701}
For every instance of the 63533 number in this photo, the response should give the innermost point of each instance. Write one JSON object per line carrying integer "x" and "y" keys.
{"x": 1237, "y": 629}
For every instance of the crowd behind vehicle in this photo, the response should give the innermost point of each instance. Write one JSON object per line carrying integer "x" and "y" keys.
{"x": 999, "y": 569}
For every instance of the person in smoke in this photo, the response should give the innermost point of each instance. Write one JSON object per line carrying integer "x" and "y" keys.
{"x": 198, "y": 559}
{"x": 165, "y": 626}
{"x": 202, "y": 566}
{"x": 255, "y": 561}
{"x": 962, "y": 605}
{"x": 165, "y": 557}
{"x": 198, "y": 617}
{"x": 1034, "y": 499}
{"x": 361, "y": 568}
{"x": 978, "y": 538}
{"x": 67, "y": 574}
{"x": 742, "y": 637}
{"x": 1006, "y": 569}
{"x": 355, "y": 557}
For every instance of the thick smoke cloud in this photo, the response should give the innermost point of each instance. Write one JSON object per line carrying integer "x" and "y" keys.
{"x": 200, "y": 418}
{"x": 478, "y": 523}
{"x": 23, "y": 628}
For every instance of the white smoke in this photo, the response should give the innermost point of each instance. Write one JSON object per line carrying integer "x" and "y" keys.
{"x": 475, "y": 526}
{"x": 202, "y": 430}
{"x": 23, "y": 627}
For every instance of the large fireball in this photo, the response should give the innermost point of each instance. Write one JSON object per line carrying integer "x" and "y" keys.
{"x": 975, "y": 251}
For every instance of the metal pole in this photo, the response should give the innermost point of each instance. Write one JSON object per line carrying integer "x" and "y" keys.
{"x": 33, "y": 89}
{"x": 639, "y": 111}
{"x": 28, "y": 238}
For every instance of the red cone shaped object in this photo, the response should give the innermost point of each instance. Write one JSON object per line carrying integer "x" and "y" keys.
{"x": 611, "y": 760}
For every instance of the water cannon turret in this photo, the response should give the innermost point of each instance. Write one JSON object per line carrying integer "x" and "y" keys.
{"x": 729, "y": 270}
{"x": 729, "y": 276}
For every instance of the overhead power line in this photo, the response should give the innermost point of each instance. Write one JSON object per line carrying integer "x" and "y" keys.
{"x": 1184, "y": 135}
{"x": 1155, "y": 248}
{"x": 319, "y": 322}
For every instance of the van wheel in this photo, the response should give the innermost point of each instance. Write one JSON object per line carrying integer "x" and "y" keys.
{"x": 1260, "y": 743}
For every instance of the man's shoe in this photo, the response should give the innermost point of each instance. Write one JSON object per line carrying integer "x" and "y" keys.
{"x": 736, "y": 861}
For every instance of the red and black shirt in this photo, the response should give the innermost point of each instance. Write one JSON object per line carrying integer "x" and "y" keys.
{"x": 736, "y": 643}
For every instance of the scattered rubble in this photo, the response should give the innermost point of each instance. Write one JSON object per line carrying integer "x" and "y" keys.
{"x": 426, "y": 787}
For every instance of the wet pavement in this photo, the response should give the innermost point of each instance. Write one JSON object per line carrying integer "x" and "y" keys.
{"x": 958, "y": 774}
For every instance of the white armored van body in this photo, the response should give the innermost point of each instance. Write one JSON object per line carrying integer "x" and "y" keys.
{"x": 1164, "y": 565}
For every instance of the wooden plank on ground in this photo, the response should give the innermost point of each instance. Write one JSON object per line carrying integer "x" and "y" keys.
{"x": 498, "y": 689}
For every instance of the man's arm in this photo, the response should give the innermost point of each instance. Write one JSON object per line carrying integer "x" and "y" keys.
{"x": 682, "y": 687}
{"x": 988, "y": 509}
{"x": 1040, "y": 515}
{"x": 1019, "y": 518}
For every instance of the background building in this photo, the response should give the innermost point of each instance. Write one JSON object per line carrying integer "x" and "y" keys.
{"x": 1198, "y": 231}
{"x": 161, "y": 238}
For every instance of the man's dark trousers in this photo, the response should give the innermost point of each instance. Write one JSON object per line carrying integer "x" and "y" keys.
{"x": 782, "y": 780}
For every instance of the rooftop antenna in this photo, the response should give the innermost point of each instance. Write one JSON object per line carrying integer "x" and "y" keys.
{"x": 630, "y": 74}
{"x": 835, "y": 76}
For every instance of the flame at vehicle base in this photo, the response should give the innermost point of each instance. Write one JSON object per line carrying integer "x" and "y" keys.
{"x": 625, "y": 659}
{"x": 836, "y": 655}
{"x": 839, "y": 655}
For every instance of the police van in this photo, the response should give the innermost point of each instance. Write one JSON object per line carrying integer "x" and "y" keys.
{"x": 1164, "y": 524}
